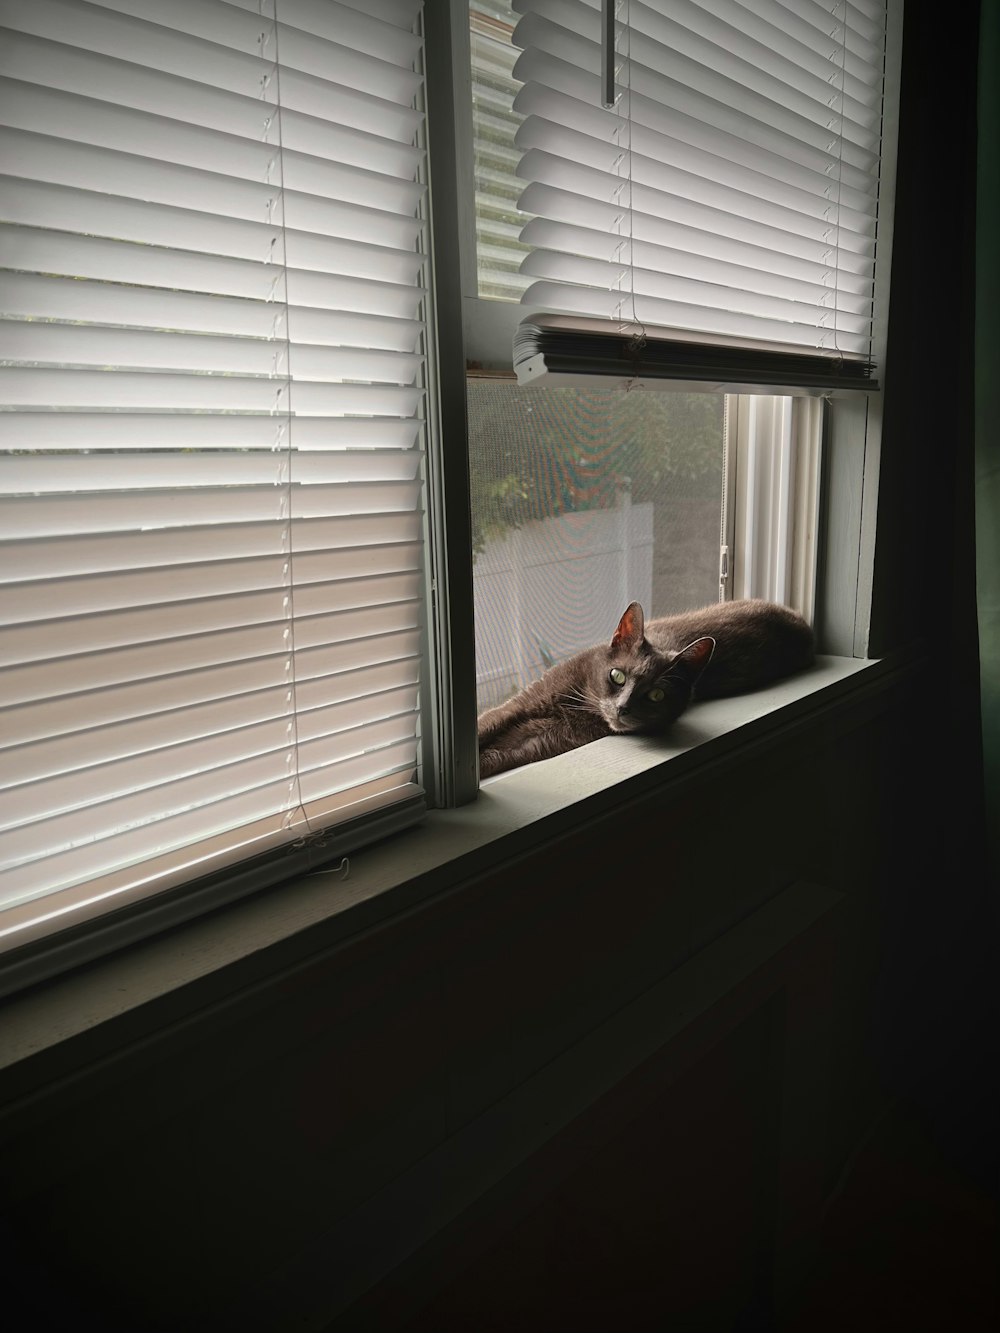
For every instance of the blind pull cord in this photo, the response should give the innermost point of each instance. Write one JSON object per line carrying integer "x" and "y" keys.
{"x": 283, "y": 439}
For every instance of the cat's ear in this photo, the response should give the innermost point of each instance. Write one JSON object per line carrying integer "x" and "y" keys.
{"x": 692, "y": 660}
{"x": 628, "y": 636}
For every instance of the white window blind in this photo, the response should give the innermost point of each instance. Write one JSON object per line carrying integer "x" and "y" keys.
{"x": 212, "y": 369}
{"x": 732, "y": 190}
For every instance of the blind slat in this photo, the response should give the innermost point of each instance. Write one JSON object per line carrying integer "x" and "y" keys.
{"x": 69, "y": 473}
{"x": 669, "y": 164}
{"x": 678, "y": 190}
{"x": 40, "y": 387}
{"x": 167, "y": 696}
{"x": 30, "y": 296}
{"x": 712, "y": 231}
{"x": 43, "y": 205}
{"x": 139, "y": 431}
{"x": 350, "y": 536}
{"x": 139, "y": 511}
{"x": 72, "y": 118}
{"x": 40, "y": 814}
{"x": 359, "y": 629}
{"x": 48, "y": 639}
{"x": 73, "y": 345}
{"x": 94, "y": 257}
{"x": 660, "y": 130}
{"x": 619, "y": 308}
{"x": 51, "y": 599}
{"x": 367, "y": 137}
{"x": 121, "y": 738}
{"x": 701, "y": 293}
{"x": 202, "y": 36}
{"x": 726, "y": 39}
{"x": 748, "y": 266}
{"x": 183, "y": 831}
{"x": 757, "y": 96}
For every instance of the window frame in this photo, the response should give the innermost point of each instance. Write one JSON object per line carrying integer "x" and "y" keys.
{"x": 784, "y": 491}
{"x": 449, "y": 755}
{"x": 851, "y": 433}
{"x": 440, "y": 855}
{"x": 446, "y": 745}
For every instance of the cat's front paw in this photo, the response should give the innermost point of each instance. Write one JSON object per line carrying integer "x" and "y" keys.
{"x": 491, "y": 762}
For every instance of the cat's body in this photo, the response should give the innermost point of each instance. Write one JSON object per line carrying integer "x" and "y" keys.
{"x": 644, "y": 679}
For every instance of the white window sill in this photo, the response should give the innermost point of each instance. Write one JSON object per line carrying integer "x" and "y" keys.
{"x": 211, "y": 957}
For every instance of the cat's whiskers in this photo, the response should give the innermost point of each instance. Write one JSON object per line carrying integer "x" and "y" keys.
{"x": 593, "y": 700}
{"x": 575, "y": 700}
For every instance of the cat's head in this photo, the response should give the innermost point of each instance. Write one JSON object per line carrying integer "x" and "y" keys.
{"x": 641, "y": 689}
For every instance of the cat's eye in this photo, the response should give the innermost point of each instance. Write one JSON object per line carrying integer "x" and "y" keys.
{"x": 655, "y": 695}
{"x": 617, "y": 676}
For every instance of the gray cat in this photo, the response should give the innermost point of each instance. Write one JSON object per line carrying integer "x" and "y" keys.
{"x": 644, "y": 679}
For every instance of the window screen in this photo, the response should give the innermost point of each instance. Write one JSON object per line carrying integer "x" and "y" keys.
{"x": 583, "y": 501}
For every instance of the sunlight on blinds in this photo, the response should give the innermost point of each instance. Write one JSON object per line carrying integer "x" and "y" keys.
{"x": 212, "y": 380}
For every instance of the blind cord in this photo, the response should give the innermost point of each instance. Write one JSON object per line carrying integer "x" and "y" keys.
{"x": 296, "y": 802}
{"x": 637, "y": 341}
{"x": 840, "y": 180}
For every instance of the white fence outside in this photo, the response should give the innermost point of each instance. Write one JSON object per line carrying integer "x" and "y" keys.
{"x": 555, "y": 586}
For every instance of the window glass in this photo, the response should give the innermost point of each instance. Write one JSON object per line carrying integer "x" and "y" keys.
{"x": 498, "y": 219}
{"x": 582, "y": 501}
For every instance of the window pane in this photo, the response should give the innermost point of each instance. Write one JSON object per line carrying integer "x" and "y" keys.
{"x": 582, "y": 501}
{"x": 494, "y": 123}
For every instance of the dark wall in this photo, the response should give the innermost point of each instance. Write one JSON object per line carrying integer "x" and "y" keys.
{"x": 987, "y": 422}
{"x": 924, "y": 578}
{"x": 925, "y": 566}
{"x": 445, "y": 1096}
{"x": 924, "y": 570}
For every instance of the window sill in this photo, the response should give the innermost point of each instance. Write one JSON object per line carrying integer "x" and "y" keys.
{"x": 67, "y": 1022}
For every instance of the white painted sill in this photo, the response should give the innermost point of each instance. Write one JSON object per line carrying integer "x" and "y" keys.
{"x": 214, "y": 956}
